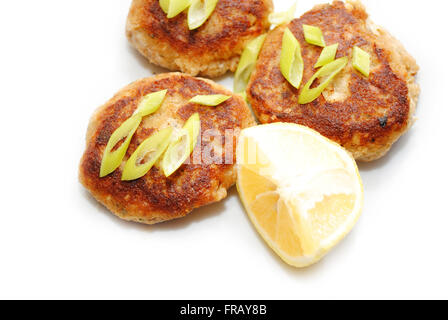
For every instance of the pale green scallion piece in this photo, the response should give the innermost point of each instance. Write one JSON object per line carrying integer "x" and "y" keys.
{"x": 243, "y": 95}
{"x": 151, "y": 103}
{"x": 193, "y": 126}
{"x": 291, "y": 61}
{"x": 113, "y": 156}
{"x": 173, "y": 7}
{"x": 326, "y": 73}
{"x": 327, "y": 55}
{"x": 146, "y": 155}
{"x": 313, "y": 35}
{"x": 361, "y": 61}
{"x": 210, "y": 100}
{"x": 177, "y": 153}
{"x": 278, "y": 18}
{"x": 165, "y": 5}
{"x": 199, "y": 12}
{"x": 182, "y": 146}
{"x": 247, "y": 64}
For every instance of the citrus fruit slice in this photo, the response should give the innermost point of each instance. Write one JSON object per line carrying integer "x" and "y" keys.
{"x": 302, "y": 192}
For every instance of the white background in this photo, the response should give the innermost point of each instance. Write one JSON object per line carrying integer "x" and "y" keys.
{"x": 59, "y": 60}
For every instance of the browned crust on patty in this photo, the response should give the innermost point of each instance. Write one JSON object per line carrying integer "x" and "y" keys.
{"x": 211, "y": 50}
{"x": 365, "y": 115}
{"x": 155, "y": 198}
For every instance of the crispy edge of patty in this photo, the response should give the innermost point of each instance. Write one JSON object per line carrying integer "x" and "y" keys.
{"x": 367, "y": 141}
{"x": 154, "y": 198}
{"x": 211, "y": 50}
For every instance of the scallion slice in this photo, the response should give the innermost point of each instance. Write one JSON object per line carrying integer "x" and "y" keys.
{"x": 181, "y": 147}
{"x": 165, "y": 5}
{"x": 291, "y": 62}
{"x": 326, "y": 73}
{"x": 278, "y": 18}
{"x": 327, "y": 55}
{"x": 146, "y": 155}
{"x": 193, "y": 126}
{"x": 113, "y": 158}
{"x": 313, "y": 35}
{"x": 199, "y": 12}
{"x": 174, "y": 7}
{"x": 247, "y": 64}
{"x": 177, "y": 153}
{"x": 210, "y": 100}
{"x": 151, "y": 103}
{"x": 361, "y": 61}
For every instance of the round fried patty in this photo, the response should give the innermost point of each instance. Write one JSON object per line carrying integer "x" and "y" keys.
{"x": 155, "y": 198}
{"x": 365, "y": 115}
{"x": 211, "y": 50}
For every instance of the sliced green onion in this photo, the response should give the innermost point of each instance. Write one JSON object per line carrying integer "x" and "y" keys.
{"x": 247, "y": 64}
{"x": 177, "y": 153}
{"x": 278, "y": 18}
{"x": 165, "y": 5}
{"x": 199, "y": 12}
{"x": 151, "y": 103}
{"x": 146, "y": 155}
{"x": 113, "y": 158}
{"x": 193, "y": 126}
{"x": 291, "y": 62}
{"x": 243, "y": 95}
{"x": 180, "y": 148}
{"x": 210, "y": 100}
{"x": 328, "y": 54}
{"x": 313, "y": 35}
{"x": 327, "y": 73}
{"x": 175, "y": 7}
{"x": 361, "y": 61}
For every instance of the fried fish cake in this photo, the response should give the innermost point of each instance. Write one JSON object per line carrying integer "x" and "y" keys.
{"x": 366, "y": 115}
{"x": 211, "y": 50}
{"x": 155, "y": 198}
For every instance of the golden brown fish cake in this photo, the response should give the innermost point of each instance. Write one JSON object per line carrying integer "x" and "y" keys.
{"x": 155, "y": 198}
{"x": 211, "y": 50}
{"x": 364, "y": 115}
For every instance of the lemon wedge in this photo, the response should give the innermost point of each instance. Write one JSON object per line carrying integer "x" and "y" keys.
{"x": 302, "y": 192}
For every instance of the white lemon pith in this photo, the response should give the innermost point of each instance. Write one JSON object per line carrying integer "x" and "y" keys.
{"x": 302, "y": 192}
